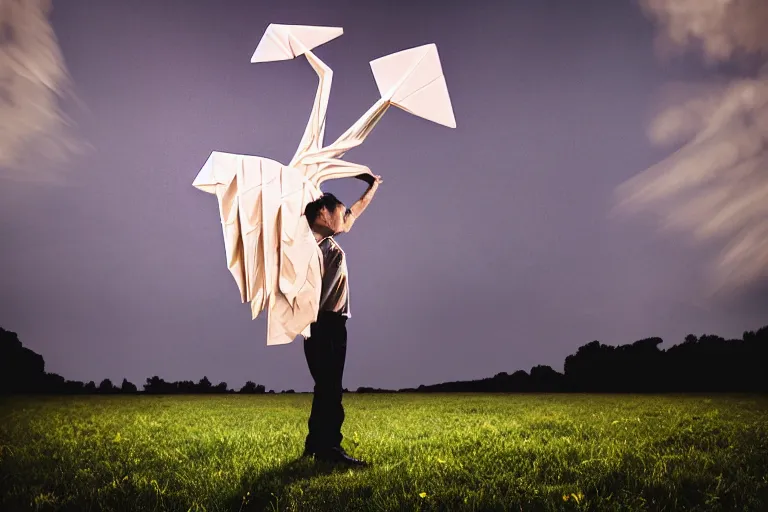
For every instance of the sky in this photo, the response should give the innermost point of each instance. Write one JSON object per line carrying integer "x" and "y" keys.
{"x": 490, "y": 247}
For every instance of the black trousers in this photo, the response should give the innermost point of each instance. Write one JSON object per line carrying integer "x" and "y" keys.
{"x": 326, "y": 351}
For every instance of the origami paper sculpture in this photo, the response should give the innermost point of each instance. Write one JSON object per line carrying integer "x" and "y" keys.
{"x": 271, "y": 251}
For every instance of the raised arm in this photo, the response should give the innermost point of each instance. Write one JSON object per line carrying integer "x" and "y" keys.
{"x": 361, "y": 204}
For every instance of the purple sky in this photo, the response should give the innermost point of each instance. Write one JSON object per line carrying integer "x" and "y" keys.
{"x": 489, "y": 248}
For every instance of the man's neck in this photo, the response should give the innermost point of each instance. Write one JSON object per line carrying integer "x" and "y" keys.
{"x": 321, "y": 236}
{"x": 320, "y": 232}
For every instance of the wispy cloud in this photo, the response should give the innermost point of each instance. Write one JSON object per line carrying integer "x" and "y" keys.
{"x": 715, "y": 186}
{"x": 33, "y": 78}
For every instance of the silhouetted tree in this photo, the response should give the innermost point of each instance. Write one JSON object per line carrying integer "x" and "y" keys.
{"x": 364, "y": 389}
{"x": 21, "y": 369}
{"x": 185, "y": 387}
{"x": 106, "y": 387}
{"x": 128, "y": 387}
{"x": 628, "y": 368}
{"x": 519, "y": 381}
{"x": 204, "y": 386}
{"x": 74, "y": 387}
{"x": 545, "y": 379}
{"x": 53, "y": 383}
{"x": 251, "y": 387}
{"x": 157, "y": 385}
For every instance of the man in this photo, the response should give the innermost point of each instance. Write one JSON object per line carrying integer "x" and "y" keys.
{"x": 326, "y": 347}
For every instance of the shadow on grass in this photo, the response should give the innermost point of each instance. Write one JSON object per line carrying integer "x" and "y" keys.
{"x": 266, "y": 488}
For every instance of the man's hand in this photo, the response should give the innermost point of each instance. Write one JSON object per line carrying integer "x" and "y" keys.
{"x": 370, "y": 179}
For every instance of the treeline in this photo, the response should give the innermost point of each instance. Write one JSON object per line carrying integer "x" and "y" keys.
{"x": 23, "y": 371}
{"x": 707, "y": 363}
{"x": 700, "y": 364}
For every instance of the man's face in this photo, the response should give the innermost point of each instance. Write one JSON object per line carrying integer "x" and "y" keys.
{"x": 338, "y": 218}
{"x": 333, "y": 220}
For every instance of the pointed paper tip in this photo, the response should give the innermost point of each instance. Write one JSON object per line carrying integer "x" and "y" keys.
{"x": 413, "y": 80}
{"x": 205, "y": 179}
{"x": 275, "y": 44}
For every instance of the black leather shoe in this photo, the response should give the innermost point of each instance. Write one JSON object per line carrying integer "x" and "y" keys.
{"x": 337, "y": 455}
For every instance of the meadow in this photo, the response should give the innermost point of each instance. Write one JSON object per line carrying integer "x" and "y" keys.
{"x": 428, "y": 452}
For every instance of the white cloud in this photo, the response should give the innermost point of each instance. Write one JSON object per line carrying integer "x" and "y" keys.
{"x": 715, "y": 186}
{"x": 33, "y": 78}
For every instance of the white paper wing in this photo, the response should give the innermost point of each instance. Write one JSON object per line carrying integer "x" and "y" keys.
{"x": 219, "y": 176}
{"x": 271, "y": 251}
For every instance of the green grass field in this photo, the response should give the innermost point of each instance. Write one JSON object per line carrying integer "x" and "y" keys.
{"x": 428, "y": 452}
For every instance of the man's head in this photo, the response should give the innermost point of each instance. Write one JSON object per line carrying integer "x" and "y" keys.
{"x": 326, "y": 215}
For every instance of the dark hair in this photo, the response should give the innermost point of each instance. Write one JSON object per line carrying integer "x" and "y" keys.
{"x": 327, "y": 201}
